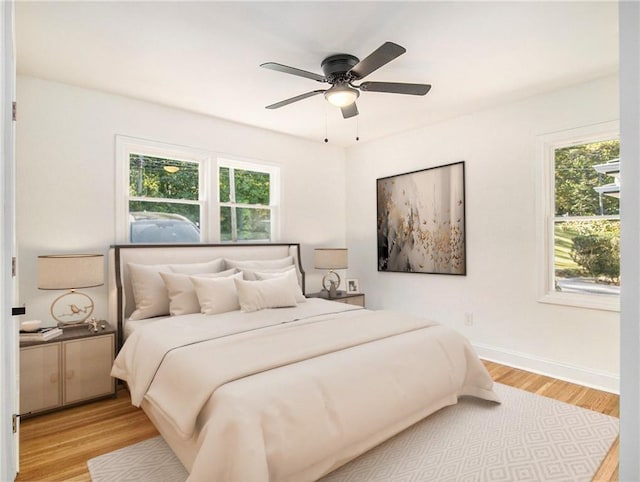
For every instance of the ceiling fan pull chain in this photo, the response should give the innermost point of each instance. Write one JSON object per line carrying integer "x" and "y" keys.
{"x": 357, "y": 129}
{"x": 326, "y": 136}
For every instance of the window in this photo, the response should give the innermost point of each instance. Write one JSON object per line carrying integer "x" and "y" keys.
{"x": 164, "y": 200}
{"x": 173, "y": 194}
{"x": 582, "y": 218}
{"x": 247, "y": 200}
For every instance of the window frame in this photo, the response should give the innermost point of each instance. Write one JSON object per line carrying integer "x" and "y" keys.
{"x": 209, "y": 185}
{"x": 274, "y": 194}
{"x": 125, "y": 146}
{"x": 545, "y": 190}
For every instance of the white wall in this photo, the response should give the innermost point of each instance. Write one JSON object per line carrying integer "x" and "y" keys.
{"x": 66, "y": 176}
{"x": 500, "y": 289}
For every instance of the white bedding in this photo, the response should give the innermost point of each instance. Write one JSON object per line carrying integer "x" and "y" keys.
{"x": 277, "y": 395}
{"x": 291, "y": 394}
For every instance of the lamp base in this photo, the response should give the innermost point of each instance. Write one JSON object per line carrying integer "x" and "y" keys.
{"x": 333, "y": 283}
{"x": 72, "y": 308}
{"x": 329, "y": 295}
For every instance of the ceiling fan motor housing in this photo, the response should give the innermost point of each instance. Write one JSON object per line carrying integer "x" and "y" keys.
{"x": 336, "y": 67}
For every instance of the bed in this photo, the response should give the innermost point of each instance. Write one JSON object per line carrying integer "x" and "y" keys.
{"x": 272, "y": 386}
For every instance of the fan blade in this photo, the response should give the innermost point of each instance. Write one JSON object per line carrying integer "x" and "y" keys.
{"x": 383, "y": 55}
{"x": 292, "y": 70}
{"x": 350, "y": 110}
{"x": 282, "y": 103}
{"x": 395, "y": 88}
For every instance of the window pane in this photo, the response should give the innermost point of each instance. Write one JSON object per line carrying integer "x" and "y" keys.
{"x": 587, "y": 256}
{"x": 225, "y": 194}
{"x": 163, "y": 178}
{"x": 251, "y": 187}
{"x": 253, "y": 224}
{"x": 576, "y": 178}
{"x": 152, "y": 222}
{"x": 225, "y": 224}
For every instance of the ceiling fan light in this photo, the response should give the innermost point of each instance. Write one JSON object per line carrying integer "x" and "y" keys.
{"x": 341, "y": 95}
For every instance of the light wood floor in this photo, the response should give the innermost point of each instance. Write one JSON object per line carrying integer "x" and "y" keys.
{"x": 57, "y": 446}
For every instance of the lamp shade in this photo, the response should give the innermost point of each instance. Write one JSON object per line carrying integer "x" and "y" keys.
{"x": 331, "y": 258}
{"x": 70, "y": 271}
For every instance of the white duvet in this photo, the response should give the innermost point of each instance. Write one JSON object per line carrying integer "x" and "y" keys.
{"x": 291, "y": 394}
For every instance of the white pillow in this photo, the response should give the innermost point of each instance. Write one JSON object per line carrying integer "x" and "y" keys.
{"x": 250, "y": 273}
{"x": 271, "y": 293}
{"x": 214, "y": 266}
{"x": 259, "y": 263}
{"x": 182, "y": 294}
{"x": 149, "y": 291}
{"x": 216, "y": 295}
{"x": 290, "y": 275}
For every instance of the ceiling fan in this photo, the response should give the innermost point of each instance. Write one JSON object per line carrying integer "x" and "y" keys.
{"x": 342, "y": 70}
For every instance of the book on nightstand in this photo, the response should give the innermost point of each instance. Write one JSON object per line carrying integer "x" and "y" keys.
{"x": 43, "y": 334}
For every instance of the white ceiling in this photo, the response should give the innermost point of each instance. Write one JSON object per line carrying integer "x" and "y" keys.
{"x": 204, "y": 56}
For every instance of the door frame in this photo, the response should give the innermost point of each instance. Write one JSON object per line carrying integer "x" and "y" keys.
{"x": 9, "y": 458}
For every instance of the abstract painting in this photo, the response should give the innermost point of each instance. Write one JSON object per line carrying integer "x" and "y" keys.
{"x": 421, "y": 222}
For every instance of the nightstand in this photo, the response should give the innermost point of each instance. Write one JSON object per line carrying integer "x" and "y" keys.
{"x": 71, "y": 369}
{"x": 342, "y": 297}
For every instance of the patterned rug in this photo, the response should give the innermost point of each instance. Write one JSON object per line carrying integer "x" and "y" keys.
{"x": 526, "y": 438}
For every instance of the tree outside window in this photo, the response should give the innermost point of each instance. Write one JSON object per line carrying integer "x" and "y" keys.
{"x": 246, "y": 202}
{"x": 586, "y": 220}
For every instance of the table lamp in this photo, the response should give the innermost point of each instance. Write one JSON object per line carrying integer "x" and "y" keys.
{"x": 331, "y": 259}
{"x": 70, "y": 272}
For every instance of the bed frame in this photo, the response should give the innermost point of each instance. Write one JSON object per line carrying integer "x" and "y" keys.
{"x": 121, "y": 303}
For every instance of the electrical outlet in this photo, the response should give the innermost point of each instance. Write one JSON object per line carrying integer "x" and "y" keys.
{"x": 468, "y": 319}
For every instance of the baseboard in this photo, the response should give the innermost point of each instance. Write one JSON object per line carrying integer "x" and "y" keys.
{"x": 601, "y": 380}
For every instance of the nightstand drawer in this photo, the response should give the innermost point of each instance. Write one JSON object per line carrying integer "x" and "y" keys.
{"x": 356, "y": 299}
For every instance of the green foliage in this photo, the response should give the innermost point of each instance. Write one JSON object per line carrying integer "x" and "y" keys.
{"x": 250, "y": 188}
{"x": 596, "y": 248}
{"x": 150, "y": 178}
{"x": 576, "y": 179}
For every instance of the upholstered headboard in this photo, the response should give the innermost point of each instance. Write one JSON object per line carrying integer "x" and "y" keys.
{"x": 121, "y": 303}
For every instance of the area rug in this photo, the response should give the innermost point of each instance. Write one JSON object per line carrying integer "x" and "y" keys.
{"x": 526, "y": 438}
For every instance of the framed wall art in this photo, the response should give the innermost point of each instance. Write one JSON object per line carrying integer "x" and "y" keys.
{"x": 421, "y": 221}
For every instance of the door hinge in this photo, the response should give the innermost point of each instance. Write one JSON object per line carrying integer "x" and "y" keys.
{"x": 15, "y": 422}
{"x": 14, "y": 110}
{"x": 13, "y": 267}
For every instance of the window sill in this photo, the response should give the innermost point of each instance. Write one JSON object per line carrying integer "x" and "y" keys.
{"x": 591, "y": 302}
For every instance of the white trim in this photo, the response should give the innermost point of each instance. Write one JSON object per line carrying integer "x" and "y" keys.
{"x": 629, "y": 41}
{"x": 9, "y": 354}
{"x": 124, "y": 147}
{"x": 598, "y": 379}
{"x": 546, "y": 144}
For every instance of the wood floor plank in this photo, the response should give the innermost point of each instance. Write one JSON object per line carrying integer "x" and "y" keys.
{"x": 56, "y": 446}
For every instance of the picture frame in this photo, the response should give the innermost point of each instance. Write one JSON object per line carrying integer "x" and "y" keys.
{"x": 353, "y": 285}
{"x": 421, "y": 221}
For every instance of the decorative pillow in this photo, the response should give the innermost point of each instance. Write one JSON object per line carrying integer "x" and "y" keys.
{"x": 149, "y": 291}
{"x": 182, "y": 294}
{"x": 290, "y": 275}
{"x": 214, "y": 266}
{"x": 250, "y": 273}
{"x": 271, "y": 293}
{"x": 259, "y": 263}
{"x": 217, "y": 295}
